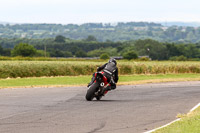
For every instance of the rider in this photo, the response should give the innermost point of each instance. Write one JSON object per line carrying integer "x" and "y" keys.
{"x": 110, "y": 71}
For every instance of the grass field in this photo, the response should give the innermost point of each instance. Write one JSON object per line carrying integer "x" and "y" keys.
{"x": 83, "y": 80}
{"x": 14, "y": 69}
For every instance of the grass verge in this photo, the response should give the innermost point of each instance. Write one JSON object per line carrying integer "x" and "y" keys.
{"x": 83, "y": 80}
{"x": 189, "y": 123}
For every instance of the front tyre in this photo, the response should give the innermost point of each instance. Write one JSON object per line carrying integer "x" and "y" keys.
{"x": 91, "y": 92}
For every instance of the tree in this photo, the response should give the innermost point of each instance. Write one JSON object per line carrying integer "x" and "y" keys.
{"x": 81, "y": 53}
{"x": 1, "y": 50}
{"x": 23, "y": 49}
{"x": 91, "y": 38}
{"x": 6, "y": 52}
{"x": 68, "y": 54}
{"x": 42, "y": 53}
{"x": 104, "y": 56}
{"x": 172, "y": 50}
{"x": 154, "y": 49}
{"x": 178, "y": 58}
{"x": 60, "y": 39}
{"x": 95, "y": 53}
{"x": 191, "y": 51}
{"x": 57, "y": 53}
{"x": 130, "y": 55}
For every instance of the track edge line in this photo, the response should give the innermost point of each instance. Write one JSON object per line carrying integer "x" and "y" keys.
{"x": 195, "y": 107}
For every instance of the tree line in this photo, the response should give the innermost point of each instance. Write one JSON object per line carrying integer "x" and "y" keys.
{"x": 104, "y": 32}
{"x": 90, "y": 47}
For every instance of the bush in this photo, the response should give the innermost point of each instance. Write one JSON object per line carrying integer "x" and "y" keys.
{"x": 41, "y": 53}
{"x": 80, "y": 53}
{"x": 68, "y": 54}
{"x": 178, "y": 58}
{"x": 104, "y": 56}
{"x": 130, "y": 55}
{"x": 23, "y": 49}
{"x": 144, "y": 59}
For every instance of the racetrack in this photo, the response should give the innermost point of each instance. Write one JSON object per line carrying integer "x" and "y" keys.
{"x": 128, "y": 109}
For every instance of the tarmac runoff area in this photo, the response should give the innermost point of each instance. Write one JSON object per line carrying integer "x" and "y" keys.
{"x": 128, "y": 109}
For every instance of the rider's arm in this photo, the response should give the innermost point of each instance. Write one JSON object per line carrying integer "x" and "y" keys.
{"x": 101, "y": 67}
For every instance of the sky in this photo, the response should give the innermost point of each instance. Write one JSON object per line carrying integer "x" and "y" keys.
{"x": 97, "y": 11}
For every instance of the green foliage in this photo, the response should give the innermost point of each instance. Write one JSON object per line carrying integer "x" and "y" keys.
{"x": 102, "y": 32}
{"x": 130, "y": 55}
{"x": 98, "y": 52}
{"x": 151, "y": 48}
{"x": 104, "y": 56}
{"x": 60, "y": 39}
{"x": 91, "y": 38}
{"x": 42, "y": 53}
{"x": 6, "y": 52}
{"x": 95, "y": 53}
{"x": 68, "y": 54}
{"x": 178, "y": 58}
{"x": 59, "y": 53}
{"x": 23, "y": 49}
{"x": 1, "y": 50}
{"x": 148, "y": 47}
{"x": 15, "y": 69}
{"x": 143, "y": 59}
{"x": 81, "y": 53}
{"x": 111, "y": 51}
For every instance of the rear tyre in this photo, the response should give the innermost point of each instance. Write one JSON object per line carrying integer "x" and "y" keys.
{"x": 91, "y": 92}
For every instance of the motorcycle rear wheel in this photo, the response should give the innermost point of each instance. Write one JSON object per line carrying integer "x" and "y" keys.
{"x": 91, "y": 92}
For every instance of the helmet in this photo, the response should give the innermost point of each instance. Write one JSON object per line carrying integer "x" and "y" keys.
{"x": 113, "y": 60}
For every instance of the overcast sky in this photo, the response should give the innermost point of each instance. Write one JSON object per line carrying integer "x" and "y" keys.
{"x": 83, "y": 11}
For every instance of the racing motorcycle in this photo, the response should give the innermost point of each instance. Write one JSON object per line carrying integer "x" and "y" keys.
{"x": 98, "y": 88}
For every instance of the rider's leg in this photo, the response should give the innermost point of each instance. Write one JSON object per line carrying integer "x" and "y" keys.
{"x": 113, "y": 86}
{"x": 92, "y": 80}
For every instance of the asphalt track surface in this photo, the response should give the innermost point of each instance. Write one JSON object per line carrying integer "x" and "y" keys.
{"x": 128, "y": 109}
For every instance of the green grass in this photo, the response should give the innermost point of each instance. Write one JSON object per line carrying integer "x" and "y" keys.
{"x": 127, "y": 78}
{"x": 189, "y": 123}
{"x": 45, "y": 81}
{"x": 83, "y": 80}
{"x": 14, "y": 69}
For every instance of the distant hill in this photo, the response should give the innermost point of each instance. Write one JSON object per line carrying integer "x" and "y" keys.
{"x": 181, "y": 32}
{"x": 192, "y": 24}
{"x": 4, "y": 22}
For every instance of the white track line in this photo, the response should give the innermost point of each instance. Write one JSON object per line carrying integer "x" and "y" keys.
{"x": 195, "y": 107}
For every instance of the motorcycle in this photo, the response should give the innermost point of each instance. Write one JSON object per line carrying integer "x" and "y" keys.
{"x": 98, "y": 88}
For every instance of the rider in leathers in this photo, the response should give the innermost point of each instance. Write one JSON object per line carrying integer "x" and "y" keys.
{"x": 110, "y": 71}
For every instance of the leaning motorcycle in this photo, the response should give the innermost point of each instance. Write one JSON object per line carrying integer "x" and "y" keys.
{"x": 98, "y": 88}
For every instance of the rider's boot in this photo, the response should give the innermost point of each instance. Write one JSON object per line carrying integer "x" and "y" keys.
{"x": 108, "y": 88}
